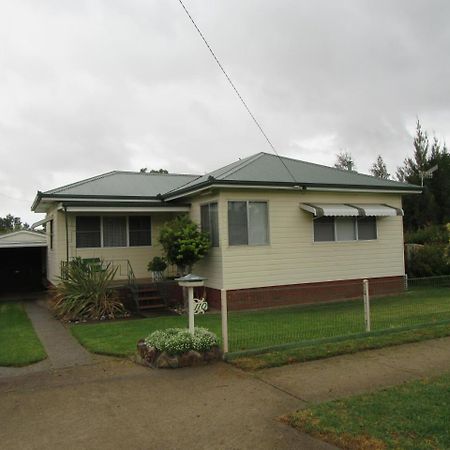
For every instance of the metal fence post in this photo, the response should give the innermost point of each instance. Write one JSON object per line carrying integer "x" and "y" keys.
{"x": 406, "y": 281}
{"x": 224, "y": 310}
{"x": 366, "y": 304}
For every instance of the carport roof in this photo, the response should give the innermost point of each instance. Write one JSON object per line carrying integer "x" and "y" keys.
{"x": 23, "y": 238}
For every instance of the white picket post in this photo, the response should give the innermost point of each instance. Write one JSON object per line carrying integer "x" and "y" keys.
{"x": 191, "y": 309}
{"x": 224, "y": 310}
{"x": 366, "y": 304}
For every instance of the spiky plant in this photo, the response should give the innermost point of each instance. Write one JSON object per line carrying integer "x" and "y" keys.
{"x": 85, "y": 293}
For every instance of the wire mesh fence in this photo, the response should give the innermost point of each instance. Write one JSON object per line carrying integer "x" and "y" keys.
{"x": 308, "y": 313}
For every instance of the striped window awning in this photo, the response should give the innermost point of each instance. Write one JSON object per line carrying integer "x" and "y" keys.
{"x": 347, "y": 209}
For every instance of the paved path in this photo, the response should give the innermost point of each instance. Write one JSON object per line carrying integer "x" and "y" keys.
{"x": 63, "y": 350}
{"x": 118, "y": 405}
{"x": 346, "y": 375}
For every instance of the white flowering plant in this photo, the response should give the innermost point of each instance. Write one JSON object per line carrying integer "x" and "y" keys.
{"x": 175, "y": 341}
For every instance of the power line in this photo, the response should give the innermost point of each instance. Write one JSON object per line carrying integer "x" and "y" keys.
{"x": 236, "y": 90}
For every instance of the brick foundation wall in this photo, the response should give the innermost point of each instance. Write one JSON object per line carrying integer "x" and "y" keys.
{"x": 305, "y": 293}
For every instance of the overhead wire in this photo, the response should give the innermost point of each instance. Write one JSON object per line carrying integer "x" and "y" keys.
{"x": 272, "y": 146}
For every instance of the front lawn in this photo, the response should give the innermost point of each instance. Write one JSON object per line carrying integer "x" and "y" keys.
{"x": 271, "y": 327}
{"x": 413, "y": 416}
{"x": 19, "y": 345}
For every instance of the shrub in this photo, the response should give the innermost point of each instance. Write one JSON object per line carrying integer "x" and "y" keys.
{"x": 85, "y": 293}
{"x": 183, "y": 242}
{"x": 429, "y": 260}
{"x": 175, "y": 341}
{"x": 433, "y": 234}
{"x": 157, "y": 264}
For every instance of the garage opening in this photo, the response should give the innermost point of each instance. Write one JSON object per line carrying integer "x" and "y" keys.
{"x": 23, "y": 256}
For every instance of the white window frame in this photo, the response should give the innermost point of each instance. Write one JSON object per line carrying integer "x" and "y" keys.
{"x": 212, "y": 202}
{"x": 248, "y": 222}
{"x": 335, "y": 241}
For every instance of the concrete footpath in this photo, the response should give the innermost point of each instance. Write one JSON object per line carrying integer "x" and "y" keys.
{"x": 116, "y": 404}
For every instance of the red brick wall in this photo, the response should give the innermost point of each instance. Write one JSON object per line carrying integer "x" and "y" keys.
{"x": 305, "y": 293}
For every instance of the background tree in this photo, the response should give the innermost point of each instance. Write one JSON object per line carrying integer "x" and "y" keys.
{"x": 159, "y": 171}
{"x": 344, "y": 161}
{"x": 379, "y": 169}
{"x": 12, "y": 223}
{"x": 433, "y": 205}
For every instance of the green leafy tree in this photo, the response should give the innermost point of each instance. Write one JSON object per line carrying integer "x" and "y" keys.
{"x": 379, "y": 169}
{"x": 183, "y": 243}
{"x": 12, "y": 223}
{"x": 344, "y": 161}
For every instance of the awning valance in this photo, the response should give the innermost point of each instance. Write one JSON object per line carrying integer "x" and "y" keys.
{"x": 352, "y": 210}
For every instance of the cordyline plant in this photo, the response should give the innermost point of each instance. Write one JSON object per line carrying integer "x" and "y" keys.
{"x": 183, "y": 243}
{"x": 85, "y": 293}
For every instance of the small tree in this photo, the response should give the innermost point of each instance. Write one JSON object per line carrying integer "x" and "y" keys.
{"x": 344, "y": 161}
{"x": 183, "y": 243}
{"x": 379, "y": 169}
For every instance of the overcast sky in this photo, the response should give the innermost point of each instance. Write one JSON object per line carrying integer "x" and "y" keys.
{"x": 92, "y": 86}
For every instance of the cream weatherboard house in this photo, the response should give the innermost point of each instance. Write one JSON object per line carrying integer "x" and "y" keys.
{"x": 282, "y": 230}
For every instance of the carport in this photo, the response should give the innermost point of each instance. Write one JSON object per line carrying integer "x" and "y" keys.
{"x": 23, "y": 257}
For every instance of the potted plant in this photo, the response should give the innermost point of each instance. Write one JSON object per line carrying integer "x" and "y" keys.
{"x": 157, "y": 266}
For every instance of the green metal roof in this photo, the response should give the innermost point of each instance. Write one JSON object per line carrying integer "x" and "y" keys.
{"x": 268, "y": 169}
{"x": 123, "y": 184}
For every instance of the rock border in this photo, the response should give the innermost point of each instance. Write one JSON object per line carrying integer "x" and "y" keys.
{"x": 151, "y": 357}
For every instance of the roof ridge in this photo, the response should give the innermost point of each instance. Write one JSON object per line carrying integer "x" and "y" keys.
{"x": 130, "y": 172}
{"x": 79, "y": 183}
{"x": 245, "y": 163}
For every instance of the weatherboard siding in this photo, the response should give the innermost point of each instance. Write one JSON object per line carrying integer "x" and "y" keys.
{"x": 292, "y": 257}
{"x": 210, "y": 267}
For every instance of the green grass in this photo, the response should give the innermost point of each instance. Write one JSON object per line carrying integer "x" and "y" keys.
{"x": 19, "y": 345}
{"x": 413, "y": 416}
{"x": 271, "y": 327}
{"x": 327, "y": 350}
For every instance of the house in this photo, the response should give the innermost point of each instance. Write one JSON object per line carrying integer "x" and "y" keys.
{"x": 282, "y": 230}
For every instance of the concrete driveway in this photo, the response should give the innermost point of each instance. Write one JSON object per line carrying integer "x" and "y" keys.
{"x": 114, "y": 404}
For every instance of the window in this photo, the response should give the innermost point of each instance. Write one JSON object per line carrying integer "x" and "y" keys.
{"x": 209, "y": 217}
{"x": 114, "y": 231}
{"x": 248, "y": 223}
{"x": 367, "y": 228}
{"x": 328, "y": 229}
{"x": 111, "y": 231}
{"x": 88, "y": 231}
{"x": 140, "y": 230}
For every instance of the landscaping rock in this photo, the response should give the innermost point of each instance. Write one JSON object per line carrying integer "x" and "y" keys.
{"x": 190, "y": 358}
{"x": 213, "y": 355}
{"x": 166, "y": 361}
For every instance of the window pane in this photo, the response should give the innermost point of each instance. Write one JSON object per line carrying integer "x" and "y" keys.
{"x": 324, "y": 229}
{"x": 88, "y": 231}
{"x": 345, "y": 228}
{"x": 367, "y": 228}
{"x": 237, "y": 223}
{"x": 114, "y": 232}
{"x": 214, "y": 224}
{"x": 258, "y": 232}
{"x": 140, "y": 230}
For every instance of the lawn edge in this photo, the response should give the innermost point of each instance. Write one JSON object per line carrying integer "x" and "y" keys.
{"x": 293, "y": 354}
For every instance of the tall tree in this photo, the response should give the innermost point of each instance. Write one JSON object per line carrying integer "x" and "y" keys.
{"x": 344, "y": 161}
{"x": 379, "y": 169}
{"x": 433, "y": 205}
